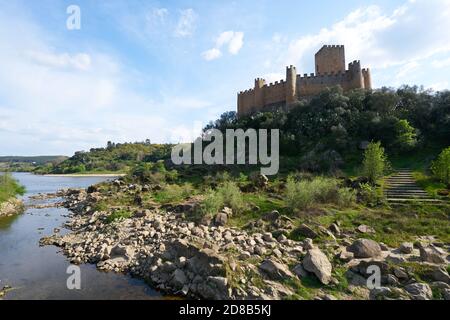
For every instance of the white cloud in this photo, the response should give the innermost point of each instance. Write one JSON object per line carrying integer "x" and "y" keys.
{"x": 211, "y": 54}
{"x": 411, "y": 33}
{"x": 234, "y": 40}
{"x": 443, "y": 63}
{"x": 186, "y": 23}
{"x": 79, "y": 61}
{"x": 236, "y": 43}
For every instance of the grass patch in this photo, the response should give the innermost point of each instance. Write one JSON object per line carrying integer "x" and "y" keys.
{"x": 320, "y": 190}
{"x": 174, "y": 193}
{"x": 430, "y": 184}
{"x": 394, "y": 227}
{"x": 118, "y": 215}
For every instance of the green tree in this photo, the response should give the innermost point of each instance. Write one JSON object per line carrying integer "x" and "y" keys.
{"x": 406, "y": 137}
{"x": 441, "y": 167}
{"x": 375, "y": 162}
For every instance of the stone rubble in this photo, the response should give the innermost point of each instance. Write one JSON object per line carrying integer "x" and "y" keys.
{"x": 214, "y": 261}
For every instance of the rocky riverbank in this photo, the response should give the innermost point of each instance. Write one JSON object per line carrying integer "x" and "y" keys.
{"x": 11, "y": 207}
{"x": 213, "y": 261}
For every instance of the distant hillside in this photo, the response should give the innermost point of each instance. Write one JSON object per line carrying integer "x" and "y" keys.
{"x": 39, "y": 160}
{"x": 27, "y": 164}
{"x": 112, "y": 159}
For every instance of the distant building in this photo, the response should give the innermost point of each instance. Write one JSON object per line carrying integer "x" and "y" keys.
{"x": 330, "y": 71}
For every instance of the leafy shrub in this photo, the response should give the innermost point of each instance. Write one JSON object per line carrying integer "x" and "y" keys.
{"x": 9, "y": 187}
{"x": 375, "y": 162}
{"x": 441, "y": 166}
{"x": 173, "y": 192}
{"x": 371, "y": 196}
{"x": 406, "y": 138}
{"x": 153, "y": 173}
{"x": 346, "y": 197}
{"x": 227, "y": 194}
{"x": 304, "y": 194}
{"x": 232, "y": 196}
{"x": 212, "y": 203}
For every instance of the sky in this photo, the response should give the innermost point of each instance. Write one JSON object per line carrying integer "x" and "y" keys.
{"x": 161, "y": 70}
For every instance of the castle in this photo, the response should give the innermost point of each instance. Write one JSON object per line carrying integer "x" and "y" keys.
{"x": 330, "y": 71}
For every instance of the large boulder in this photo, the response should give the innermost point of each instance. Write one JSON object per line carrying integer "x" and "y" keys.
{"x": 179, "y": 279}
{"x": 275, "y": 270}
{"x": 432, "y": 254}
{"x": 221, "y": 219}
{"x": 419, "y": 291}
{"x": 317, "y": 262}
{"x": 365, "y": 248}
{"x": 306, "y": 231}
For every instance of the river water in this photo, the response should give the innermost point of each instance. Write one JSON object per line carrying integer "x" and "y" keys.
{"x": 41, "y": 272}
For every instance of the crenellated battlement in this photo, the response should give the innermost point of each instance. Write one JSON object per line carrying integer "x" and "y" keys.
{"x": 330, "y": 71}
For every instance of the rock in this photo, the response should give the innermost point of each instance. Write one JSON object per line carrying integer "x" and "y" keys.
{"x": 268, "y": 237}
{"x": 277, "y": 290}
{"x": 259, "y": 180}
{"x": 439, "y": 285}
{"x": 400, "y": 274}
{"x": 446, "y": 294}
{"x": 275, "y": 270}
{"x": 308, "y": 244}
{"x": 363, "y": 267}
{"x": 419, "y": 291}
{"x": 335, "y": 229}
{"x": 384, "y": 293}
{"x": 345, "y": 255}
{"x": 406, "y": 248}
{"x": 326, "y": 297}
{"x": 120, "y": 251}
{"x": 299, "y": 271}
{"x": 271, "y": 216}
{"x": 260, "y": 250}
{"x": 440, "y": 274}
{"x": 383, "y": 247}
{"x": 317, "y": 262}
{"x": 179, "y": 279}
{"x": 431, "y": 254}
{"x": 221, "y": 219}
{"x": 365, "y": 229}
{"x": 365, "y": 248}
{"x": 390, "y": 280}
{"x": 305, "y": 231}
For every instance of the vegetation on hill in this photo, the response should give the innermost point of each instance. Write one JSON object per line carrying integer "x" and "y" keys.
{"x": 9, "y": 187}
{"x": 327, "y": 131}
{"x": 114, "y": 158}
{"x": 27, "y": 164}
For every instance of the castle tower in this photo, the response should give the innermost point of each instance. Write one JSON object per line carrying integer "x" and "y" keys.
{"x": 259, "y": 93}
{"x": 291, "y": 85}
{"x": 330, "y": 59}
{"x": 356, "y": 74}
{"x": 367, "y": 78}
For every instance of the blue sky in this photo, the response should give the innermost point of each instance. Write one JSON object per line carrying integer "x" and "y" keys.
{"x": 163, "y": 69}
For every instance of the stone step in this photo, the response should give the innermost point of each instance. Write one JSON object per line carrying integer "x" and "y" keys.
{"x": 420, "y": 193}
{"x": 401, "y": 190}
{"x": 410, "y": 200}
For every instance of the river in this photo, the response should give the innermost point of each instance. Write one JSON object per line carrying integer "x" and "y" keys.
{"x": 40, "y": 272}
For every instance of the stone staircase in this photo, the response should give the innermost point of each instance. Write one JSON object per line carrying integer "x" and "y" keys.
{"x": 401, "y": 188}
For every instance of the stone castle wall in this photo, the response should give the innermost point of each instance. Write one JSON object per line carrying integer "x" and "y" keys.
{"x": 330, "y": 62}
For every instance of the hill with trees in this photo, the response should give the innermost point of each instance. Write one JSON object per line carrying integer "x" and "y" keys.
{"x": 114, "y": 158}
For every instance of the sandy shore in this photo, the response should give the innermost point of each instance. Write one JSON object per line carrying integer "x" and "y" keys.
{"x": 80, "y": 175}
